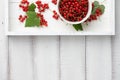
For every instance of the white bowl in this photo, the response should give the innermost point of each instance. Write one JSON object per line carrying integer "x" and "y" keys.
{"x": 77, "y": 22}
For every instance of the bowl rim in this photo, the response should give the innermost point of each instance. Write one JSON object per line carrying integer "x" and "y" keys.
{"x": 77, "y": 22}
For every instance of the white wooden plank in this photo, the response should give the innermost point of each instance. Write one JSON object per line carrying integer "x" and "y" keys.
{"x": 116, "y": 56}
{"x": 20, "y": 58}
{"x": 98, "y": 58}
{"x": 116, "y": 45}
{"x": 72, "y": 55}
{"x": 46, "y": 58}
{"x": 3, "y": 46}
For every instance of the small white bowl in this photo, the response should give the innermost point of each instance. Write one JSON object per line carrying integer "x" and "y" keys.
{"x": 77, "y": 22}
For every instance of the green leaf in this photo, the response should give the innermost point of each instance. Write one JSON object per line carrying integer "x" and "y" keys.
{"x": 96, "y": 3}
{"x": 94, "y": 9}
{"x": 31, "y": 14}
{"x": 32, "y": 19}
{"x": 32, "y": 7}
{"x": 78, "y": 27}
{"x": 32, "y": 22}
{"x": 102, "y": 7}
{"x": 96, "y": 6}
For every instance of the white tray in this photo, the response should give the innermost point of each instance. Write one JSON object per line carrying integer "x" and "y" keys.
{"x": 104, "y": 26}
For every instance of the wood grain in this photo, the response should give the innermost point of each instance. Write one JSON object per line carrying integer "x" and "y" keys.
{"x": 116, "y": 45}
{"x": 3, "y": 46}
{"x": 98, "y": 58}
{"x": 20, "y": 58}
{"x": 72, "y": 58}
{"x": 116, "y": 56}
{"x": 46, "y": 58}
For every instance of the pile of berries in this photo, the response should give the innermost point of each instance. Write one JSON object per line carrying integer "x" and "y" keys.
{"x": 22, "y": 18}
{"x": 24, "y": 5}
{"x": 98, "y": 13}
{"x": 73, "y": 10}
{"x": 42, "y": 21}
{"x": 54, "y": 2}
{"x": 42, "y": 7}
{"x": 55, "y": 15}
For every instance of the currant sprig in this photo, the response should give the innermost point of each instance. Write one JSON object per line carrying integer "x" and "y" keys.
{"x": 33, "y": 17}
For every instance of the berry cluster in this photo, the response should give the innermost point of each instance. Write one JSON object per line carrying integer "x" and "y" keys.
{"x": 22, "y": 18}
{"x": 55, "y": 16}
{"x": 54, "y": 2}
{"x": 24, "y": 5}
{"x": 42, "y": 7}
{"x": 42, "y": 21}
{"x": 95, "y": 16}
{"x": 73, "y": 10}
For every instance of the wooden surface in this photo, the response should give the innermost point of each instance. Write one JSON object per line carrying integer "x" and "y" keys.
{"x": 59, "y": 58}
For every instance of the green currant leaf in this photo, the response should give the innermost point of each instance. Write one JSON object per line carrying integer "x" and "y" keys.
{"x": 31, "y": 14}
{"x": 32, "y": 22}
{"x": 102, "y": 7}
{"x": 32, "y": 7}
{"x": 94, "y": 9}
{"x": 32, "y": 19}
{"x": 78, "y": 27}
{"x": 96, "y": 6}
{"x": 96, "y": 3}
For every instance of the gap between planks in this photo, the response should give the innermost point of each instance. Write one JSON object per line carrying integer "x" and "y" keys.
{"x": 59, "y": 57}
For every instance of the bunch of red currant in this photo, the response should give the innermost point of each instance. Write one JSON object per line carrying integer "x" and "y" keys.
{"x": 22, "y": 18}
{"x": 42, "y": 7}
{"x": 98, "y": 12}
{"x": 24, "y": 5}
{"x": 55, "y": 15}
{"x": 43, "y": 21}
{"x": 54, "y": 2}
{"x": 73, "y": 10}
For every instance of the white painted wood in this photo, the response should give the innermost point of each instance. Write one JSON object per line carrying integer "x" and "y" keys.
{"x": 98, "y": 58}
{"x": 72, "y": 63}
{"x": 116, "y": 55}
{"x": 72, "y": 58}
{"x": 46, "y": 58}
{"x": 20, "y": 58}
{"x": 116, "y": 45}
{"x": 3, "y": 46}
